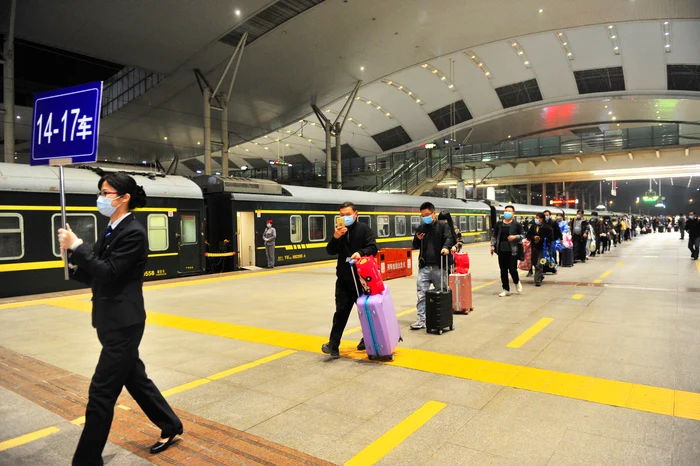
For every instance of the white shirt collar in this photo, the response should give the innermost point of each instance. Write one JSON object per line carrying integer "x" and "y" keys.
{"x": 118, "y": 221}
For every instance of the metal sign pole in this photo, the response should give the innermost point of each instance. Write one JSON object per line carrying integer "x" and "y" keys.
{"x": 62, "y": 190}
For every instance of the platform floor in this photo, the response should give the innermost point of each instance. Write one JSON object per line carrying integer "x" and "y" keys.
{"x": 598, "y": 366}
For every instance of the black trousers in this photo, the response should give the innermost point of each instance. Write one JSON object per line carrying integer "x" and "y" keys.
{"x": 682, "y": 232}
{"x": 345, "y": 297}
{"x": 579, "y": 247}
{"x": 694, "y": 246}
{"x": 508, "y": 263}
{"x": 119, "y": 366}
{"x": 538, "y": 254}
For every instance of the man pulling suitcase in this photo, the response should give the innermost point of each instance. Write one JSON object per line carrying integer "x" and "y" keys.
{"x": 351, "y": 240}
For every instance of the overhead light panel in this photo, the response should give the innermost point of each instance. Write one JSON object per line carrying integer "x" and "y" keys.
{"x": 376, "y": 106}
{"x": 404, "y": 89}
{"x": 441, "y": 75}
{"x": 566, "y": 45}
{"x": 666, "y": 28}
{"x": 521, "y": 53}
{"x": 479, "y": 63}
{"x": 614, "y": 39}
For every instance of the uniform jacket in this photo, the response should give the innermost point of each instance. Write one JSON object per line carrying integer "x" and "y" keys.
{"x": 113, "y": 268}
{"x": 359, "y": 238}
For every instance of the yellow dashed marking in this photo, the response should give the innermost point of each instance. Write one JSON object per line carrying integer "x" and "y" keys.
{"x": 24, "y": 439}
{"x": 529, "y": 333}
{"x": 577, "y": 296}
{"x": 606, "y": 274}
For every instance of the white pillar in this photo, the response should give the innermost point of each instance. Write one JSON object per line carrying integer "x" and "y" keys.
{"x": 491, "y": 194}
{"x": 461, "y": 192}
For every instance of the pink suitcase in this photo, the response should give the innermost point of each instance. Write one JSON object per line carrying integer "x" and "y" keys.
{"x": 461, "y": 286}
{"x": 380, "y": 326}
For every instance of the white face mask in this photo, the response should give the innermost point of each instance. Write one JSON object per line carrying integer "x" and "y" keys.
{"x": 105, "y": 207}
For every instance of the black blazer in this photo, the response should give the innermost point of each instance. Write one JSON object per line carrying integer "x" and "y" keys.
{"x": 359, "y": 238}
{"x": 114, "y": 268}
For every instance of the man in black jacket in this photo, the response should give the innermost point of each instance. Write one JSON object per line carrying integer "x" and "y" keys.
{"x": 579, "y": 233}
{"x": 539, "y": 233}
{"x": 597, "y": 226}
{"x": 692, "y": 226}
{"x": 350, "y": 241}
{"x": 434, "y": 239}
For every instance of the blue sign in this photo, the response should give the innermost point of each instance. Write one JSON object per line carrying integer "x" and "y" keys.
{"x": 67, "y": 124}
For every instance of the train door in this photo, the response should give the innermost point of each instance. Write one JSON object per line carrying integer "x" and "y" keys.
{"x": 246, "y": 238}
{"x": 188, "y": 243}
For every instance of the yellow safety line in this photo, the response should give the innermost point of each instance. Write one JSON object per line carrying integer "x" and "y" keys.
{"x": 606, "y": 274}
{"x": 394, "y": 437}
{"x": 529, "y": 333}
{"x": 184, "y": 387}
{"x": 620, "y": 263}
{"x": 597, "y": 281}
{"x": 577, "y": 296}
{"x": 23, "y": 439}
{"x": 78, "y": 421}
{"x": 697, "y": 264}
{"x": 597, "y": 390}
{"x": 250, "y": 365}
{"x": 400, "y": 314}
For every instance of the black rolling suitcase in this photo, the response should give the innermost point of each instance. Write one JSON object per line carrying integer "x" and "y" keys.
{"x": 567, "y": 257}
{"x": 438, "y": 308}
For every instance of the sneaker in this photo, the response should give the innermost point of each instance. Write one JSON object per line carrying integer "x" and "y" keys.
{"x": 504, "y": 293}
{"x": 361, "y": 346}
{"x": 417, "y": 325}
{"x": 333, "y": 352}
{"x": 530, "y": 274}
{"x": 519, "y": 287}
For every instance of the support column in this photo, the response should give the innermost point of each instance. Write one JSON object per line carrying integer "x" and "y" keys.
{"x": 206, "y": 95}
{"x": 339, "y": 168}
{"x": 460, "y": 191}
{"x": 475, "y": 195}
{"x": 329, "y": 161}
{"x": 556, "y": 190}
{"x": 224, "y": 138}
{"x": 529, "y": 194}
{"x": 9, "y": 87}
{"x": 544, "y": 194}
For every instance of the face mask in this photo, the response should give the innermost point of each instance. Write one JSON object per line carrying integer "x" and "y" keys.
{"x": 559, "y": 220}
{"x": 578, "y": 217}
{"x": 349, "y": 220}
{"x": 546, "y": 217}
{"x": 269, "y": 225}
{"x": 537, "y": 221}
{"x": 428, "y": 220}
{"x": 104, "y": 206}
{"x": 691, "y": 217}
{"x": 507, "y": 215}
{"x": 595, "y": 218}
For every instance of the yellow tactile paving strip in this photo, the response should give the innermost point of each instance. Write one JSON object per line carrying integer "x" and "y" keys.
{"x": 610, "y": 392}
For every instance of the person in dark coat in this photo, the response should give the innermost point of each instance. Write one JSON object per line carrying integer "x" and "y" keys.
{"x": 681, "y": 226}
{"x": 351, "y": 241}
{"x": 579, "y": 235}
{"x": 539, "y": 234}
{"x": 114, "y": 269}
{"x": 506, "y": 239}
{"x": 692, "y": 226}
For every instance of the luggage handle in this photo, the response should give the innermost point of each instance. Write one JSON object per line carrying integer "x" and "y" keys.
{"x": 354, "y": 279}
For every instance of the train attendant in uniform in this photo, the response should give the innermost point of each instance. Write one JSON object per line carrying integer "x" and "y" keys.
{"x": 269, "y": 236}
{"x": 351, "y": 241}
{"x": 114, "y": 268}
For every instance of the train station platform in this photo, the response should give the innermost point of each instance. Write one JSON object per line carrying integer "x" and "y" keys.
{"x": 597, "y": 366}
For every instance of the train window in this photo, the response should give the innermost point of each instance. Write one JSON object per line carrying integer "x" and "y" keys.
{"x": 382, "y": 226}
{"x": 158, "y": 232}
{"x": 479, "y": 223}
{"x": 472, "y": 223}
{"x": 415, "y": 223}
{"x": 463, "y": 223}
{"x": 188, "y": 229}
{"x": 295, "y": 228}
{"x": 366, "y": 219}
{"x": 400, "y": 225}
{"x": 12, "y": 236}
{"x": 83, "y": 225}
{"x": 317, "y": 228}
{"x": 488, "y": 223}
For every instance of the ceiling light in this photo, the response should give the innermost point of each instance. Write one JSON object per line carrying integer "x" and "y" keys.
{"x": 218, "y": 173}
{"x": 144, "y": 162}
{"x": 514, "y": 44}
{"x": 328, "y": 110}
{"x": 451, "y": 86}
{"x": 569, "y": 54}
{"x": 287, "y": 145}
{"x": 488, "y": 73}
{"x": 606, "y": 106}
{"x": 379, "y": 107}
{"x": 509, "y": 136}
{"x": 362, "y": 68}
{"x": 19, "y": 117}
{"x": 609, "y": 113}
{"x": 666, "y": 33}
{"x": 350, "y": 118}
{"x": 244, "y": 167}
{"x": 247, "y": 150}
{"x": 614, "y": 118}
{"x": 300, "y": 135}
{"x": 165, "y": 138}
{"x": 610, "y": 27}
{"x": 267, "y": 148}
{"x": 435, "y": 71}
{"x": 540, "y": 10}
{"x": 618, "y": 124}
{"x": 198, "y": 143}
{"x": 388, "y": 114}
{"x": 481, "y": 64}
{"x": 565, "y": 43}
{"x": 289, "y": 131}
{"x": 309, "y": 140}
{"x": 425, "y": 65}
{"x": 417, "y": 101}
{"x": 613, "y": 37}
{"x": 359, "y": 125}
{"x": 401, "y": 87}
{"x": 238, "y": 12}
{"x": 657, "y": 111}
{"x": 658, "y": 117}
{"x": 369, "y": 102}
{"x": 390, "y": 83}
{"x": 521, "y": 52}
{"x": 561, "y": 34}
{"x": 665, "y": 22}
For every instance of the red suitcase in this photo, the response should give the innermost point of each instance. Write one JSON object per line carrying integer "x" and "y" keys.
{"x": 461, "y": 262}
{"x": 369, "y": 275}
{"x": 461, "y": 286}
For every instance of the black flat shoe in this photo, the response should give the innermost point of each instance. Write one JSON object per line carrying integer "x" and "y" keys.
{"x": 160, "y": 447}
{"x": 361, "y": 346}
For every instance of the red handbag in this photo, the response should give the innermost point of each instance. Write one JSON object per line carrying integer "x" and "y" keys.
{"x": 369, "y": 274}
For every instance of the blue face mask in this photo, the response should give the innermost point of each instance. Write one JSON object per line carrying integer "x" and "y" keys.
{"x": 428, "y": 220}
{"x": 546, "y": 217}
{"x": 349, "y": 220}
{"x": 269, "y": 225}
{"x": 104, "y": 206}
{"x": 507, "y": 215}
{"x": 537, "y": 221}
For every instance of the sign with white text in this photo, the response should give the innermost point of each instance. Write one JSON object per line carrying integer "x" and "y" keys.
{"x": 66, "y": 125}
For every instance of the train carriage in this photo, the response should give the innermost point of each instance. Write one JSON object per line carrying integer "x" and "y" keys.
{"x": 30, "y": 214}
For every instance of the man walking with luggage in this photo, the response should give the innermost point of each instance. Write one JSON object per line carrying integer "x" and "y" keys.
{"x": 433, "y": 239}
{"x": 539, "y": 234}
{"x": 351, "y": 240}
{"x": 579, "y": 231}
{"x": 269, "y": 236}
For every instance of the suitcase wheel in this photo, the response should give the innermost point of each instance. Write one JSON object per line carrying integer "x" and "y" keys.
{"x": 440, "y": 332}
{"x": 452, "y": 327}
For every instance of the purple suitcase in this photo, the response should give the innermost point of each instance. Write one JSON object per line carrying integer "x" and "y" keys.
{"x": 380, "y": 326}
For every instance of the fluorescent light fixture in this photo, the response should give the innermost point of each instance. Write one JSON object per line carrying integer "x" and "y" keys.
{"x": 614, "y": 39}
{"x": 520, "y": 52}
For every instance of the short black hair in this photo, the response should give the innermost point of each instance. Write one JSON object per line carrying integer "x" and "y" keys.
{"x": 547, "y": 212}
{"x": 580, "y": 211}
{"x": 124, "y": 184}
{"x": 427, "y": 205}
{"x": 594, "y": 213}
{"x": 510, "y": 207}
{"x": 540, "y": 215}
{"x": 349, "y": 204}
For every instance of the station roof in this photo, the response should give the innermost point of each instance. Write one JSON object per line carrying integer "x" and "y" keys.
{"x": 415, "y": 59}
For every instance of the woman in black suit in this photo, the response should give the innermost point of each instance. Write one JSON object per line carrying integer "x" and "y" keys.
{"x": 114, "y": 269}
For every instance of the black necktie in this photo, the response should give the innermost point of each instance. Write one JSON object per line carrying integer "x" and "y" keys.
{"x": 109, "y": 231}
